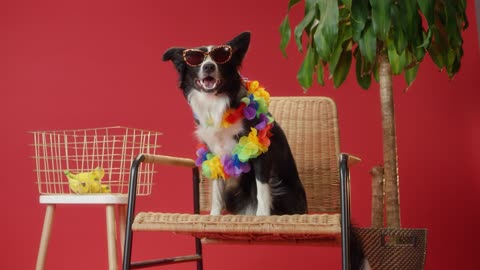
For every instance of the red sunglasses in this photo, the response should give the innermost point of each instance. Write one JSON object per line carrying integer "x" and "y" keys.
{"x": 195, "y": 57}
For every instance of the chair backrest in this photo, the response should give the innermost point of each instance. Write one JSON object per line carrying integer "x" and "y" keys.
{"x": 311, "y": 126}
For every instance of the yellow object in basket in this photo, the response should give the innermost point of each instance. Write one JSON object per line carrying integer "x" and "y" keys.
{"x": 87, "y": 182}
{"x": 106, "y": 189}
{"x": 77, "y": 186}
{"x": 95, "y": 187}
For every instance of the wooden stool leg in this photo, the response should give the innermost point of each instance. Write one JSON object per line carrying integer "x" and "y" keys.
{"x": 46, "y": 231}
{"x": 111, "y": 235}
{"x": 122, "y": 219}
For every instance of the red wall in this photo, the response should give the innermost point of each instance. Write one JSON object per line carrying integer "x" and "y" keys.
{"x": 78, "y": 64}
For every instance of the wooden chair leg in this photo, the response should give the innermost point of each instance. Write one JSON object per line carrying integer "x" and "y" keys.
{"x": 45, "y": 238}
{"x": 111, "y": 238}
{"x": 122, "y": 219}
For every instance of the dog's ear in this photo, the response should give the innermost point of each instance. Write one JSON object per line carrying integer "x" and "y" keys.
{"x": 172, "y": 54}
{"x": 239, "y": 46}
{"x": 175, "y": 55}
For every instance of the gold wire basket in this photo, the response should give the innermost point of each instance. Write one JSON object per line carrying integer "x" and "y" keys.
{"x": 109, "y": 149}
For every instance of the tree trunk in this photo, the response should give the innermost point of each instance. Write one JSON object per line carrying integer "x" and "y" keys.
{"x": 377, "y": 196}
{"x": 389, "y": 143}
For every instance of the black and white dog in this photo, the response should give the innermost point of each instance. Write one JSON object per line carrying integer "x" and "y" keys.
{"x": 212, "y": 85}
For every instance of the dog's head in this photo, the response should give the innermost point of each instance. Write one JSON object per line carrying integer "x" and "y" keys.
{"x": 210, "y": 69}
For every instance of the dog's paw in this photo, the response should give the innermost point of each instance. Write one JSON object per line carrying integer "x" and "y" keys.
{"x": 216, "y": 212}
{"x": 264, "y": 199}
{"x": 263, "y": 211}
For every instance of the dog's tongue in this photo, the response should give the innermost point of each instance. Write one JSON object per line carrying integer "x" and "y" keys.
{"x": 209, "y": 83}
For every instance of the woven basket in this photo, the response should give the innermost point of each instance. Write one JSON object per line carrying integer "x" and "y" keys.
{"x": 394, "y": 249}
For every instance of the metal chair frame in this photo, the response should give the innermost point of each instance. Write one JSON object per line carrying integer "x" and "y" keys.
{"x": 197, "y": 257}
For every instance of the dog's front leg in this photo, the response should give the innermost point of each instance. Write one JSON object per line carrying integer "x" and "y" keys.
{"x": 264, "y": 198}
{"x": 218, "y": 188}
{"x": 264, "y": 192}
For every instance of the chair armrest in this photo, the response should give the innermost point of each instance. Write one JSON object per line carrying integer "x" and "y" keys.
{"x": 352, "y": 160}
{"x": 132, "y": 188}
{"x": 168, "y": 160}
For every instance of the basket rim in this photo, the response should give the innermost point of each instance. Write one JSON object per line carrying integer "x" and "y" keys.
{"x": 94, "y": 128}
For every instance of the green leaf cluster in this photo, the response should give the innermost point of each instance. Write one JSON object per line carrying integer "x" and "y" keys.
{"x": 335, "y": 32}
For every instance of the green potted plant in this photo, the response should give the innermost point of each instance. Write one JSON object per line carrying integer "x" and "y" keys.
{"x": 386, "y": 38}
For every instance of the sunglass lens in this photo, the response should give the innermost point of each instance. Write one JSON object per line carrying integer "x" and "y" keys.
{"x": 194, "y": 58}
{"x": 221, "y": 54}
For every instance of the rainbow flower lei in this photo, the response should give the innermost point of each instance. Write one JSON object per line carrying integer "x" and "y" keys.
{"x": 254, "y": 105}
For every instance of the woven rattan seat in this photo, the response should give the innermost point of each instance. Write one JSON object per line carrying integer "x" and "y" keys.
{"x": 311, "y": 126}
{"x": 240, "y": 227}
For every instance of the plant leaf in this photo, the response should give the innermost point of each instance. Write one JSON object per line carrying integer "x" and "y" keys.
{"x": 398, "y": 34}
{"x": 453, "y": 61}
{"x": 320, "y": 74}
{"x": 332, "y": 64}
{"x": 344, "y": 14}
{"x": 305, "y": 73}
{"x": 461, "y": 12}
{"x": 368, "y": 44}
{"x": 453, "y": 30}
{"x": 364, "y": 79}
{"x": 298, "y": 32}
{"x": 400, "y": 40}
{"x": 327, "y": 29}
{"x": 410, "y": 58}
{"x": 344, "y": 34}
{"x": 428, "y": 38}
{"x": 427, "y": 8}
{"x": 285, "y": 31}
{"x": 455, "y": 67}
{"x": 420, "y": 43}
{"x": 359, "y": 18}
{"x": 409, "y": 16}
{"x": 292, "y": 3}
{"x": 437, "y": 56}
{"x": 343, "y": 68}
{"x": 381, "y": 17}
{"x": 411, "y": 71}
{"x": 348, "y": 3}
{"x": 285, "y": 34}
{"x": 397, "y": 61}
{"x": 310, "y": 4}
{"x": 437, "y": 47}
{"x": 411, "y": 74}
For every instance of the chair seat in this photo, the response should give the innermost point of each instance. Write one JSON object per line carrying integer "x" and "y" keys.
{"x": 297, "y": 228}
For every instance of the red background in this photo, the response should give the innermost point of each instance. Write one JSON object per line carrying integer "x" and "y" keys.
{"x": 79, "y": 64}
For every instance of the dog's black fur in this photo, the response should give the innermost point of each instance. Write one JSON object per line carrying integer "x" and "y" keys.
{"x": 275, "y": 167}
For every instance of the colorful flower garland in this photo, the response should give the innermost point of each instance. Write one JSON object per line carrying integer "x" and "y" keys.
{"x": 254, "y": 105}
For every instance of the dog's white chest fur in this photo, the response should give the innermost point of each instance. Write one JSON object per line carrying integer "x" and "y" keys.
{"x": 209, "y": 109}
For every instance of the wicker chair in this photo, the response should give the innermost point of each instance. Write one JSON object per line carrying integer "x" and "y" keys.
{"x": 310, "y": 124}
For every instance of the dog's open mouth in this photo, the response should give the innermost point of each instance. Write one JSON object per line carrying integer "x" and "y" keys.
{"x": 208, "y": 83}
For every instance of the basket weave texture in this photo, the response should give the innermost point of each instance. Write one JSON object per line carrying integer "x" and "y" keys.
{"x": 394, "y": 249}
{"x": 241, "y": 227}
